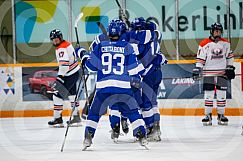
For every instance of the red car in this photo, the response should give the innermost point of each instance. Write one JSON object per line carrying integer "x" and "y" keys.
{"x": 42, "y": 81}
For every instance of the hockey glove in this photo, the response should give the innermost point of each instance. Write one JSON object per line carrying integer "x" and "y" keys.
{"x": 164, "y": 59}
{"x": 230, "y": 72}
{"x": 135, "y": 82}
{"x": 197, "y": 73}
{"x": 84, "y": 58}
{"x": 80, "y": 51}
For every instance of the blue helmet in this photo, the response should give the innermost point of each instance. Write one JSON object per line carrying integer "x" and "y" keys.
{"x": 123, "y": 25}
{"x": 56, "y": 34}
{"x": 138, "y": 24}
{"x": 151, "y": 26}
{"x": 115, "y": 28}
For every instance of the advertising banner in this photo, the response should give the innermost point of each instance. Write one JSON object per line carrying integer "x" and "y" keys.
{"x": 178, "y": 83}
{"x": 32, "y": 26}
{"x": 38, "y": 82}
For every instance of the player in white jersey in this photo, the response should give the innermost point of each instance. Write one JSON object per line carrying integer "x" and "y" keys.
{"x": 214, "y": 63}
{"x": 68, "y": 75}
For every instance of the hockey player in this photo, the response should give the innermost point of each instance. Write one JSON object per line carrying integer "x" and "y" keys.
{"x": 147, "y": 39}
{"x": 68, "y": 75}
{"x": 103, "y": 37}
{"x": 215, "y": 63}
{"x": 153, "y": 78}
{"x": 116, "y": 66}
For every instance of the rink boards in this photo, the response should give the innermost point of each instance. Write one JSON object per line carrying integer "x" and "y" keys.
{"x": 178, "y": 94}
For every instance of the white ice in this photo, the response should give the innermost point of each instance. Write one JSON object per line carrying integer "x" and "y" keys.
{"x": 183, "y": 138}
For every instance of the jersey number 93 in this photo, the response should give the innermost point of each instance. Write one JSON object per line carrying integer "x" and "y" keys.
{"x": 107, "y": 61}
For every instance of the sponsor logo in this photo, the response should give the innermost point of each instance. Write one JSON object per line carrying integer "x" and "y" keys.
{"x": 182, "y": 81}
{"x": 186, "y": 22}
{"x": 162, "y": 91}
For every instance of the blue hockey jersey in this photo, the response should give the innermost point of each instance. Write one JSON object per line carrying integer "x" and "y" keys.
{"x": 102, "y": 37}
{"x": 98, "y": 39}
{"x": 148, "y": 48}
{"x": 115, "y": 63}
{"x": 143, "y": 36}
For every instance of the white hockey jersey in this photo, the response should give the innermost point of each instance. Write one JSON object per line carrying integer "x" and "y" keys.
{"x": 67, "y": 59}
{"x": 214, "y": 57}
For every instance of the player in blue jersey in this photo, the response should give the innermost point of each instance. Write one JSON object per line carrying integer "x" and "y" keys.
{"x": 117, "y": 68}
{"x": 103, "y": 37}
{"x": 146, "y": 39}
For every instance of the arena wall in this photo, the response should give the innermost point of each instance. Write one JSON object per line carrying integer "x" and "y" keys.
{"x": 13, "y": 102}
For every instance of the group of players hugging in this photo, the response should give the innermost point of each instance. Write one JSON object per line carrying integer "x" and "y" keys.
{"x": 128, "y": 66}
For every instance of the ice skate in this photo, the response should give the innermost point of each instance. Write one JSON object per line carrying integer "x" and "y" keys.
{"x": 75, "y": 122}
{"x": 125, "y": 127}
{"x": 56, "y": 123}
{"x": 115, "y": 132}
{"x": 207, "y": 121}
{"x": 222, "y": 120}
{"x": 87, "y": 141}
{"x": 142, "y": 140}
{"x": 149, "y": 130}
{"x": 156, "y": 133}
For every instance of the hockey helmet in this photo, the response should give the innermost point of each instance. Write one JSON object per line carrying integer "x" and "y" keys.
{"x": 138, "y": 24}
{"x": 216, "y": 26}
{"x": 56, "y": 33}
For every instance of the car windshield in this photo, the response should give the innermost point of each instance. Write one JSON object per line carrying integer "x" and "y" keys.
{"x": 49, "y": 74}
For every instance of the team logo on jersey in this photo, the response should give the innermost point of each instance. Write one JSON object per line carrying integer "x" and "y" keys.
{"x": 61, "y": 54}
{"x": 113, "y": 30}
{"x": 217, "y": 53}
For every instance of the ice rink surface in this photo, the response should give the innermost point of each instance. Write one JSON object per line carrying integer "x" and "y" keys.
{"x": 183, "y": 138}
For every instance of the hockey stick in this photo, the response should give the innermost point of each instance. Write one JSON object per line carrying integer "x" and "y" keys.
{"x": 82, "y": 68}
{"x": 76, "y": 27}
{"x": 123, "y": 14}
{"x": 73, "y": 108}
{"x": 102, "y": 27}
{"x": 76, "y": 96}
{"x": 78, "y": 44}
{"x": 86, "y": 108}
